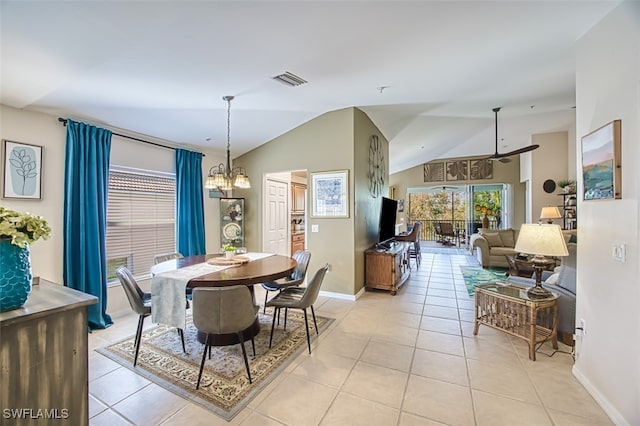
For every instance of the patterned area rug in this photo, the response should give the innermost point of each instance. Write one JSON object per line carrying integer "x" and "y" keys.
{"x": 474, "y": 275}
{"x": 444, "y": 250}
{"x": 224, "y": 388}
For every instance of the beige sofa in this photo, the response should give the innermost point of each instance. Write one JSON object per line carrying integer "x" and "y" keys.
{"x": 492, "y": 245}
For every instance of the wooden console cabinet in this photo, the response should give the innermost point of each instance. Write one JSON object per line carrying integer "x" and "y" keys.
{"x": 44, "y": 358}
{"x": 388, "y": 269}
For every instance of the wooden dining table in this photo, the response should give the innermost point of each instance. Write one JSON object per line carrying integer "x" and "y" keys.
{"x": 257, "y": 271}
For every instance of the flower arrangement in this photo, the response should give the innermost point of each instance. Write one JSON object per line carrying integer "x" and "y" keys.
{"x": 227, "y": 247}
{"x": 22, "y": 228}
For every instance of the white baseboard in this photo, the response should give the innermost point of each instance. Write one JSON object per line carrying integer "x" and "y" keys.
{"x": 609, "y": 409}
{"x": 342, "y": 296}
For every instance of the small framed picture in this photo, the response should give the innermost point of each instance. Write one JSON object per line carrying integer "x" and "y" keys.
{"x": 22, "y": 174}
{"x": 330, "y": 194}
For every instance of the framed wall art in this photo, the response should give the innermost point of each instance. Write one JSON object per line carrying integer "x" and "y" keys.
{"x": 433, "y": 172}
{"x": 22, "y": 170}
{"x": 602, "y": 163}
{"x": 330, "y": 194}
{"x": 480, "y": 169}
{"x": 457, "y": 170}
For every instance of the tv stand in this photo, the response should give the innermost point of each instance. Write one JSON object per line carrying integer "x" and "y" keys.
{"x": 387, "y": 269}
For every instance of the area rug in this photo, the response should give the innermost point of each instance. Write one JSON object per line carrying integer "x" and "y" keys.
{"x": 224, "y": 388}
{"x": 474, "y": 275}
{"x": 444, "y": 250}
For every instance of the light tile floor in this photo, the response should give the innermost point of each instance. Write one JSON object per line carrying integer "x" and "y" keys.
{"x": 409, "y": 359}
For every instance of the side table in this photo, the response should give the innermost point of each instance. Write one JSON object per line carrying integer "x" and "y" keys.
{"x": 506, "y": 307}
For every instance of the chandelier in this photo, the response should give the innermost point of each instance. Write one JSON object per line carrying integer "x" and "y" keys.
{"x": 223, "y": 177}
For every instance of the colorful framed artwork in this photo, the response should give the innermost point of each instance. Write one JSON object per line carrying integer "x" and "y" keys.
{"x": 601, "y": 163}
{"x": 330, "y": 194}
{"x": 22, "y": 175}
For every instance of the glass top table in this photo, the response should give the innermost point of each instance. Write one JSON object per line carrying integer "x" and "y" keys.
{"x": 506, "y": 307}
{"x": 515, "y": 291}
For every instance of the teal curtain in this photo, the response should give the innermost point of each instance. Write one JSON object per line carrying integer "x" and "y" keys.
{"x": 86, "y": 180}
{"x": 189, "y": 203}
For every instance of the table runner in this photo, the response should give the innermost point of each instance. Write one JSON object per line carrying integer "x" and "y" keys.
{"x": 168, "y": 290}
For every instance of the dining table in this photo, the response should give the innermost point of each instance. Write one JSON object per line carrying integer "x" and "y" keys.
{"x": 267, "y": 267}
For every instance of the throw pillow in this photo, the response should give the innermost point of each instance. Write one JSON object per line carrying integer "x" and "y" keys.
{"x": 507, "y": 238}
{"x": 493, "y": 238}
{"x": 553, "y": 279}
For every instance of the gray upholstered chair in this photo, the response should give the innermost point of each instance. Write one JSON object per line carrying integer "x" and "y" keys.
{"x": 298, "y": 298}
{"x": 223, "y": 310}
{"x": 294, "y": 280}
{"x": 159, "y": 258}
{"x": 140, "y": 302}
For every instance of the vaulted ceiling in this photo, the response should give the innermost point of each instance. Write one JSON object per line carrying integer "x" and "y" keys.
{"x": 427, "y": 73}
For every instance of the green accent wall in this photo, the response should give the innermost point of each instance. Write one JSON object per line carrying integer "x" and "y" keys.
{"x": 337, "y": 140}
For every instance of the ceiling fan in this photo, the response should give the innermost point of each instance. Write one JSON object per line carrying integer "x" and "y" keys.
{"x": 502, "y": 157}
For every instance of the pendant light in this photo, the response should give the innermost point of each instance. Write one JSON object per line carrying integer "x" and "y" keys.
{"x": 223, "y": 177}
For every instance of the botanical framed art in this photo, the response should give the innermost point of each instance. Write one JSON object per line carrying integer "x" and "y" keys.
{"x": 433, "y": 172}
{"x": 481, "y": 169}
{"x": 22, "y": 174}
{"x": 457, "y": 170}
{"x": 330, "y": 194}
{"x": 601, "y": 163}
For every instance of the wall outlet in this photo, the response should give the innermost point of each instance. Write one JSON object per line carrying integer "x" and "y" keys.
{"x": 582, "y": 327}
{"x": 314, "y": 228}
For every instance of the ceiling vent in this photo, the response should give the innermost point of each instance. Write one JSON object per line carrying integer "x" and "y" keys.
{"x": 290, "y": 79}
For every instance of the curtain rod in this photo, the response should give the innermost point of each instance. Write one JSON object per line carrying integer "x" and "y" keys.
{"x": 64, "y": 123}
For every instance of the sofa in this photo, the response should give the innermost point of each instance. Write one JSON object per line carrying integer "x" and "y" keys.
{"x": 493, "y": 245}
{"x": 562, "y": 282}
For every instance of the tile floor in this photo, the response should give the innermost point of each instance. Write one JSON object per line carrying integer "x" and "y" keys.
{"x": 409, "y": 359}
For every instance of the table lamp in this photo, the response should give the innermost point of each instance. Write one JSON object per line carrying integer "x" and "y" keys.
{"x": 541, "y": 240}
{"x": 550, "y": 213}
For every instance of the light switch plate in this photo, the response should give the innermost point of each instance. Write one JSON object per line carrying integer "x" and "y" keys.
{"x": 314, "y": 228}
{"x": 618, "y": 253}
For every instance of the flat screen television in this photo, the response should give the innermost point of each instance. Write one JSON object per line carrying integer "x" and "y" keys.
{"x": 387, "y": 226}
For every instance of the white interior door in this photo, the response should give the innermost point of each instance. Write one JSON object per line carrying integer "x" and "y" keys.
{"x": 276, "y": 217}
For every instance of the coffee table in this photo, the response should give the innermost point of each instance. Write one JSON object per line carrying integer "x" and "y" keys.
{"x": 506, "y": 307}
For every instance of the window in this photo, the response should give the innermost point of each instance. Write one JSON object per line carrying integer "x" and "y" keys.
{"x": 140, "y": 219}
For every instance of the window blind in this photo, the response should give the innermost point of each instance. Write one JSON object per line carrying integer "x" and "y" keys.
{"x": 140, "y": 219}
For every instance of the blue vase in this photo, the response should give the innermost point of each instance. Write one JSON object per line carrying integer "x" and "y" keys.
{"x": 15, "y": 275}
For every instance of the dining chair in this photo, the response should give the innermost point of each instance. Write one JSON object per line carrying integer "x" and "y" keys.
{"x": 298, "y": 298}
{"x": 140, "y": 302}
{"x": 159, "y": 258}
{"x": 223, "y": 310}
{"x": 294, "y": 280}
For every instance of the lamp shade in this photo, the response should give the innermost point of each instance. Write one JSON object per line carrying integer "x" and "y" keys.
{"x": 541, "y": 239}
{"x": 550, "y": 213}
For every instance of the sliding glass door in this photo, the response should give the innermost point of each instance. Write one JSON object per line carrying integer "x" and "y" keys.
{"x": 466, "y": 207}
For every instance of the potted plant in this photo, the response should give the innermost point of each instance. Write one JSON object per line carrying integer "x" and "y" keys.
{"x": 17, "y": 231}
{"x": 567, "y": 185}
{"x": 229, "y": 250}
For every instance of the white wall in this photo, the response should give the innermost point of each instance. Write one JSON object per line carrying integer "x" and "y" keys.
{"x": 608, "y": 88}
{"x": 45, "y": 130}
